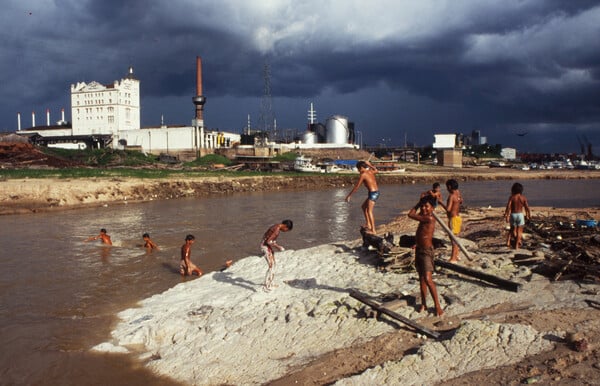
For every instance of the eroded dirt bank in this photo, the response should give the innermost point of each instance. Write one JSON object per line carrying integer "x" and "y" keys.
{"x": 33, "y": 195}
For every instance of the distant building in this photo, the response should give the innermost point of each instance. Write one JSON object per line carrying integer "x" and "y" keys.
{"x": 105, "y": 109}
{"x": 508, "y": 153}
{"x": 449, "y": 152}
{"x": 109, "y": 115}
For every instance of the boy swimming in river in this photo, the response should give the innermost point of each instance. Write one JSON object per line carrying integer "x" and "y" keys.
{"x": 367, "y": 177}
{"x": 436, "y": 193}
{"x": 148, "y": 243}
{"x": 186, "y": 267}
{"x": 269, "y": 241}
{"x": 102, "y": 236}
{"x": 513, "y": 214}
{"x": 424, "y": 251}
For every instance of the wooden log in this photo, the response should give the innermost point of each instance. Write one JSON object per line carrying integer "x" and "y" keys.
{"x": 564, "y": 268}
{"x": 451, "y": 235}
{"x": 500, "y": 282}
{"x": 364, "y": 299}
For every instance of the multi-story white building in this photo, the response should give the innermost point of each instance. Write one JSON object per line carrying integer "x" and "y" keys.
{"x": 106, "y": 109}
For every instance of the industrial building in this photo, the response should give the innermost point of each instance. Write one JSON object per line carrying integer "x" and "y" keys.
{"x": 109, "y": 116}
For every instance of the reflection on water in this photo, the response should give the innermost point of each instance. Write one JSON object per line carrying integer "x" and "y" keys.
{"x": 59, "y": 294}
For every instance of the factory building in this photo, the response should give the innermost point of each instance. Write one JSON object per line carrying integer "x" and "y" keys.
{"x": 109, "y": 116}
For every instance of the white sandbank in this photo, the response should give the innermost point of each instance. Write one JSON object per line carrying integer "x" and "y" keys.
{"x": 222, "y": 328}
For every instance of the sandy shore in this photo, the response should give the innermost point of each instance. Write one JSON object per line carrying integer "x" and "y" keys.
{"x": 223, "y": 328}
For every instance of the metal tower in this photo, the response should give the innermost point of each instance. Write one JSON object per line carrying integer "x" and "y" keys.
{"x": 266, "y": 119}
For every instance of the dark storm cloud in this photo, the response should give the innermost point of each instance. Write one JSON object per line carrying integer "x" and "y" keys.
{"x": 494, "y": 66}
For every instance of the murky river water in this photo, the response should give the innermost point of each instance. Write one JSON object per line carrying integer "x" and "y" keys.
{"x": 59, "y": 295}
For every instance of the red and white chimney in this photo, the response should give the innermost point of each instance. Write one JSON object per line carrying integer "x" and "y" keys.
{"x": 62, "y": 114}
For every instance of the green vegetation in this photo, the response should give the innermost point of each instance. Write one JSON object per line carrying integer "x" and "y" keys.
{"x": 102, "y": 157}
{"x": 210, "y": 159}
{"x": 286, "y": 157}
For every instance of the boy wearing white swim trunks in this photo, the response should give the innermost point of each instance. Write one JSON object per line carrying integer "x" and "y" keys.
{"x": 513, "y": 214}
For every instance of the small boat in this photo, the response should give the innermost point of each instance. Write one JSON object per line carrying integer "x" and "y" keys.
{"x": 304, "y": 164}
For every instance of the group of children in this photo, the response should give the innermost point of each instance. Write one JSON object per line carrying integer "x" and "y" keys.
{"x": 188, "y": 268}
{"x": 422, "y": 212}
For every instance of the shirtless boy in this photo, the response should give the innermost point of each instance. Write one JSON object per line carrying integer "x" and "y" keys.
{"x": 148, "y": 243}
{"x": 367, "y": 177}
{"x": 453, "y": 212}
{"x": 424, "y": 251}
{"x": 102, "y": 236}
{"x": 514, "y": 214}
{"x": 268, "y": 242}
{"x": 186, "y": 267}
{"x": 436, "y": 193}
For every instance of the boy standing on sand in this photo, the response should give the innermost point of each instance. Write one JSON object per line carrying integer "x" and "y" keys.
{"x": 453, "y": 212}
{"x": 367, "y": 177}
{"x": 514, "y": 208}
{"x": 186, "y": 267}
{"x": 424, "y": 251}
{"x": 269, "y": 241}
{"x": 435, "y": 192}
{"x": 103, "y": 236}
{"x": 148, "y": 243}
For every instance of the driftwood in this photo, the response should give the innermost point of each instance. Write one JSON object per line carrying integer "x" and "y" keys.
{"x": 379, "y": 243}
{"x": 502, "y": 283}
{"x": 364, "y": 299}
{"x": 452, "y": 237}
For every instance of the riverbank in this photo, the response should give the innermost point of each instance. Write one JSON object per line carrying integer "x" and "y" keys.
{"x": 222, "y": 328}
{"x": 46, "y": 194}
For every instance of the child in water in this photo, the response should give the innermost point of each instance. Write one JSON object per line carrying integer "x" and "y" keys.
{"x": 148, "y": 243}
{"x": 269, "y": 241}
{"x": 513, "y": 214}
{"x": 102, "y": 236}
{"x": 186, "y": 267}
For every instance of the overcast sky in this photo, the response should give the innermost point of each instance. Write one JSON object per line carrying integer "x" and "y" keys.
{"x": 400, "y": 70}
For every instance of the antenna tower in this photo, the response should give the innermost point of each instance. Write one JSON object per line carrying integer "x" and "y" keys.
{"x": 267, "y": 118}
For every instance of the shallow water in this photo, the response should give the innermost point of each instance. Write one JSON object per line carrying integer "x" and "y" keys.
{"x": 59, "y": 294}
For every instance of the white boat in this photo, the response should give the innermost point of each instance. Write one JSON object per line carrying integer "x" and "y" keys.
{"x": 304, "y": 164}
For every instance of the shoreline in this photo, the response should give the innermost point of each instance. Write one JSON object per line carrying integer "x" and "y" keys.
{"x": 21, "y": 196}
{"x": 226, "y": 330}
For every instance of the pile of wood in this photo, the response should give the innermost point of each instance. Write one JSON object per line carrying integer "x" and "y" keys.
{"x": 23, "y": 155}
{"x": 570, "y": 250}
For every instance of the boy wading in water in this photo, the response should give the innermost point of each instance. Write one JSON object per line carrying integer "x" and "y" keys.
{"x": 367, "y": 177}
{"x": 102, "y": 236}
{"x": 269, "y": 241}
{"x": 514, "y": 214}
{"x": 453, "y": 211}
{"x": 148, "y": 243}
{"x": 436, "y": 193}
{"x": 424, "y": 251}
{"x": 186, "y": 267}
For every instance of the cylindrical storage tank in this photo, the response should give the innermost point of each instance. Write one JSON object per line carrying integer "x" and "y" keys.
{"x": 309, "y": 138}
{"x": 337, "y": 130}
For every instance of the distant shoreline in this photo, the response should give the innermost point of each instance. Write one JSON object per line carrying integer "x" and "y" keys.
{"x": 20, "y": 196}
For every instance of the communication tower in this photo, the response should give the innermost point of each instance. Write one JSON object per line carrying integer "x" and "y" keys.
{"x": 267, "y": 118}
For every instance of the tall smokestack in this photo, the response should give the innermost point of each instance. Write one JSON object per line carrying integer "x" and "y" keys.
{"x": 62, "y": 114}
{"x": 19, "y": 121}
{"x": 33, "y": 119}
{"x": 47, "y": 117}
{"x": 199, "y": 99}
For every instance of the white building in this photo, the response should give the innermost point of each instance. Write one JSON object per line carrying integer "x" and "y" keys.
{"x": 509, "y": 153}
{"x": 109, "y": 115}
{"x": 105, "y": 109}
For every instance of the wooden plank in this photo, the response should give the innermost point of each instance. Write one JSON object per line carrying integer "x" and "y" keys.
{"x": 364, "y": 299}
{"x": 500, "y": 282}
{"x": 452, "y": 237}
